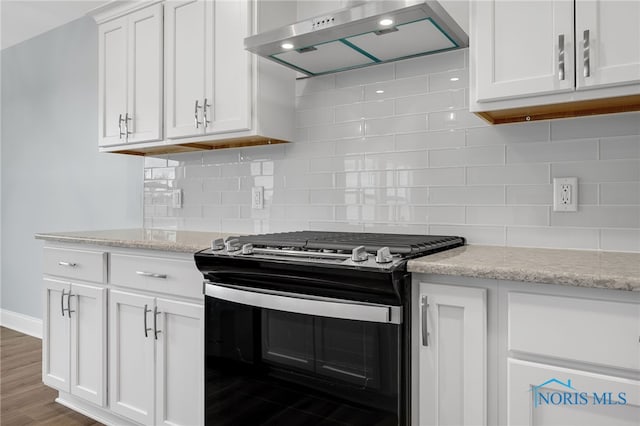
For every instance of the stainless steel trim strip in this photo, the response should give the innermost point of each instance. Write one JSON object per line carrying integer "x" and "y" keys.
{"x": 306, "y": 304}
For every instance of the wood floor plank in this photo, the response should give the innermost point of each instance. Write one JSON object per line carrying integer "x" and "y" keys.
{"x": 24, "y": 399}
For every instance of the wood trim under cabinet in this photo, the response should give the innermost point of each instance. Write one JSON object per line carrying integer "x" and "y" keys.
{"x": 197, "y": 146}
{"x": 563, "y": 110}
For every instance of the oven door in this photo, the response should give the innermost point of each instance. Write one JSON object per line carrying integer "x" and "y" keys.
{"x": 275, "y": 358}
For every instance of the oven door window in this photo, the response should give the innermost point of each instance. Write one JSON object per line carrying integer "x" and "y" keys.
{"x": 268, "y": 367}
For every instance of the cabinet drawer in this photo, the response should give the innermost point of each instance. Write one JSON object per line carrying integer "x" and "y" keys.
{"x": 584, "y": 330}
{"x": 155, "y": 274}
{"x": 76, "y": 264}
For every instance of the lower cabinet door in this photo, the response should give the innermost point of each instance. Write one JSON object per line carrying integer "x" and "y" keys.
{"x": 55, "y": 337}
{"x": 88, "y": 315}
{"x": 131, "y": 356}
{"x": 545, "y": 395}
{"x": 179, "y": 363}
{"x": 450, "y": 335}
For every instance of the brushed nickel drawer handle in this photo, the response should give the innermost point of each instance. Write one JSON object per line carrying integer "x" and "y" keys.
{"x": 586, "y": 60}
{"x": 151, "y": 274}
{"x": 146, "y": 328}
{"x": 425, "y": 332}
{"x": 156, "y": 312}
{"x": 69, "y": 264}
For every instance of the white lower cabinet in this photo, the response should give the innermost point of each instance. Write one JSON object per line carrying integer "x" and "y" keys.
{"x": 449, "y": 335}
{"x": 540, "y": 394}
{"x": 155, "y": 359}
{"x": 74, "y": 339}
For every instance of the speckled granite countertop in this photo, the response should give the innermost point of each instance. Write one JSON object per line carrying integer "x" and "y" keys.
{"x": 567, "y": 267}
{"x": 151, "y": 239}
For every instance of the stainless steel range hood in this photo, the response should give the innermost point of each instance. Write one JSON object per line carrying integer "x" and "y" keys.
{"x": 366, "y": 34}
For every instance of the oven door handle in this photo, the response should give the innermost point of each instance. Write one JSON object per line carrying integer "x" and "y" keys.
{"x": 306, "y": 304}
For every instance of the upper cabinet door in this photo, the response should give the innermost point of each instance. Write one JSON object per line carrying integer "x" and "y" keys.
{"x": 185, "y": 24}
{"x": 228, "y": 67}
{"x": 112, "y": 63}
{"x": 608, "y": 42}
{"x": 522, "y": 48}
{"x": 144, "y": 94}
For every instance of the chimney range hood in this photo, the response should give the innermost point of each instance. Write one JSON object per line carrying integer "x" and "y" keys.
{"x": 366, "y": 34}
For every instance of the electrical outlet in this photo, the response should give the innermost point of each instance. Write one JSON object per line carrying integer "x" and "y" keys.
{"x": 565, "y": 194}
{"x": 176, "y": 199}
{"x": 257, "y": 197}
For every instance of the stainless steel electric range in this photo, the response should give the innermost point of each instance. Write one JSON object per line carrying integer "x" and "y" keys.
{"x": 310, "y": 328}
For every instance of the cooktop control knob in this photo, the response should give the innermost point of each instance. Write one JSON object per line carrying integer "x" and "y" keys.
{"x": 217, "y": 244}
{"x": 383, "y": 255}
{"x": 232, "y": 244}
{"x": 359, "y": 254}
{"x": 247, "y": 248}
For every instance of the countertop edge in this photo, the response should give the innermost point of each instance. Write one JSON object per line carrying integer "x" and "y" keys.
{"x": 168, "y": 246}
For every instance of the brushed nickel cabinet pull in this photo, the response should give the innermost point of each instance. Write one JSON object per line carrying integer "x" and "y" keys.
{"x": 424, "y": 309}
{"x": 146, "y": 329}
{"x": 151, "y": 274}
{"x": 586, "y": 60}
{"x": 62, "y": 302}
{"x": 205, "y": 120}
{"x": 127, "y": 119}
{"x": 69, "y": 264}
{"x": 155, "y": 322}
{"x": 561, "y": 57}
{"x": 120, "y": 132}
{"x": 195, "y": 115}
{"x": 69, "y": 295}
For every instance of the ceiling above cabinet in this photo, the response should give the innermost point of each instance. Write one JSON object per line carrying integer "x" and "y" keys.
{"x": 362, "y": 35}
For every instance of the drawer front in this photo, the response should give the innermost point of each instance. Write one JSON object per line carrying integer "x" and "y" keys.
{"x": 155, "y": 274}
{"x": 591, "y": 331}
{"x": 75, "y": 264}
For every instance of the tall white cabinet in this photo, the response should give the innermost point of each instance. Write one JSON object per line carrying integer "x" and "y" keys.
{"x": 450, "y": 361}
{"x": 130, "y": 77}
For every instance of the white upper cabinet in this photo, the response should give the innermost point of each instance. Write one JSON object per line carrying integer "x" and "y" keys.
{"x": 553, "y": 55}
{"x": 608, "y": 42}
{"x": 523, "y": 48}
{"x": 207, "y": 67}
{"x": 130, "y": 78}
{"x": 212, "y": 93}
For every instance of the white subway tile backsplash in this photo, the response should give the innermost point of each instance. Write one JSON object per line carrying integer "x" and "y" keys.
{"x": 379, "y": 150}
{"x": 599, "y": 216}
{"x": 449, "y": 80}
{"x": 367, "y": 75}
{"x": 364, "y": 110}
{"x": 481, "y": 235}
{"x": 396, "y": 88}
{"x": 599, "y": 171}
{"x": 430, "y": 140}
{"x": 466, "y": 156}
{"x": 520, "y": 174}
{"x": 620, "y": 193}
{"x": 431, "y": 64}
{"x": 429, "y": 102}
{"x": 507, "y": 134}
{"x": 456, "y": 119}
{"x": 393, "y": 125}
{"x": 553, "y": 151}
{"x": 553, "y": 237}
{"x": 509, "y": 215}
{"x": 596, "y": 126}
{"x": 467, "y": 195}
{"x": 620, "y": 240}
{"x": 620, "y": 148}
{"x": 431, "y": 177}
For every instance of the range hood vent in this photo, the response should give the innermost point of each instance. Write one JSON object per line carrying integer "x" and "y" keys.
{"x": 366, "y": 34}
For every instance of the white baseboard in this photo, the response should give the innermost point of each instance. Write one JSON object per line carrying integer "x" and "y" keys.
{"x": 22, "y": 323}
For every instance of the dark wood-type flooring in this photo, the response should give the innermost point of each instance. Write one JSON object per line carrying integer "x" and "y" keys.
{"x": 24, "y": 400}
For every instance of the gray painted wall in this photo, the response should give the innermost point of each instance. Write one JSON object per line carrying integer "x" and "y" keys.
{"x": 53, "y": 178}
